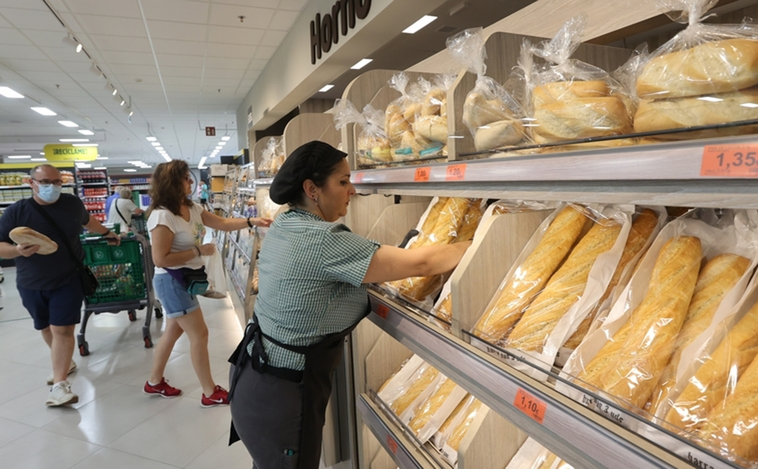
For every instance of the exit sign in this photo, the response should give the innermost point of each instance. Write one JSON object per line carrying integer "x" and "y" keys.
{"x": 210, "y": 131}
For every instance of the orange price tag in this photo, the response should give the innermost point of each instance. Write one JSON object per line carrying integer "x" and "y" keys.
{"x": 456, "y": 172}
{"x": 530, "y": 405}
{"x": 422, "y": 174}
{"x": 382, "y": 311}
{"x": 392, "y": 444}
{"x": 731, "y": 161}
{"x": 358, "y": 178}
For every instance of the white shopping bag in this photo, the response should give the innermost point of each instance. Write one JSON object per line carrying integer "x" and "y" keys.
{"x": 214, "y": 268}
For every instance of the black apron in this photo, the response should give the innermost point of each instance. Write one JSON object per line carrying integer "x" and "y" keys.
{"x": 321, "y": 359}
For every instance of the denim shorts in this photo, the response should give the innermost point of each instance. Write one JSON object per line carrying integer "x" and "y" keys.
{"x": 59, "y": 307}
{"x": 175, "y": 299}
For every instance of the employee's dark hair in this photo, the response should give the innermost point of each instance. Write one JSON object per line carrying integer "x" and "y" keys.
{"x": 315, "y": 161}
{"x": 167, "y": 188}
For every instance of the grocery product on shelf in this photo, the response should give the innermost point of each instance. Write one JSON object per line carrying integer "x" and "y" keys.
{"x": 272, "y": 158}
{"x": 372, "y": 147}
{"x": 458, "y": 424}
{"x": 433, "y": 412}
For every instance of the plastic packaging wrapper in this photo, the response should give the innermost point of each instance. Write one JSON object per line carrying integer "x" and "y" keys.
{"x": 214, "y": 267}
{"x": 531, "y": 455}
{"x": 433, "y": 412}
{"x": 492, "y": 114}
{"x": 431, "y": 120}
{"x": 572, "y": 99}
{"x": 391, "y": 388}
{"x": 372, "y": 145}
{"x": 625, "y": 358}
{"x": 405, "y": 397}
{"x": 449, "y": 436}
{"x": 272, "y": 158}
{"x": 705, "y": 75}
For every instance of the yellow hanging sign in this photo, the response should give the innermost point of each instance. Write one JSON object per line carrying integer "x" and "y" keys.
{"x": 63, "y": 152}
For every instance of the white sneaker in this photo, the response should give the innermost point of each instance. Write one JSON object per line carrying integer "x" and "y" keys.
{"x": 60, "y": 394}
{"x": 71, "y": 369}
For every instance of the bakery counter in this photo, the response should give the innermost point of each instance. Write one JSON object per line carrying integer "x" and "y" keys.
{"x": 577, "y": 434}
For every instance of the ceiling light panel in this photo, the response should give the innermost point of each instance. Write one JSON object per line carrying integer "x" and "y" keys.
{"x": 420, "y": 24}
{"x": 44, "y": 111}
{"x": 68, "y": 124}
{"x": 9, "y": 93}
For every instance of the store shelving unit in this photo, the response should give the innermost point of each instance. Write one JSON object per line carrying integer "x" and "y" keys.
{"x": 671, "y": 174}
{"x": 139, "y": 185}
{"x": 93, "y": 187}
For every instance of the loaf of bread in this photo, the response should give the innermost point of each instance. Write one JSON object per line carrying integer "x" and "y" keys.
{"x": 498, "y": 134}
{"x": 642, "y": 228}
{"x": 563, "y": 290}
{"x": 470, "y": 222}
{"x": 460, "y": 431}
{"x": 431, "y": 127}
{"x": 733, "y": 426}
{"x": 461, "y": 407}
{"x": 433, "y": 103}
{"x": 431, "y": 218}
{"x": 715, "y": 379}
{"x": 395, "y": 125}
{"x": 640, "y": 349}
{"x": 479, "y": 111}
{"x": 445, "y": 309}
{"x": 664, "y": 114}
{"x": 651, "y": 342}
{"x": 431, "y": 406}
{"x": 712, "y": 67}
{"x": 716, "y": 279}
{"x": 567, "y": 90}
{"x": 26, "y": 235}
{"x": 531, "y": 276}
{"x": 422, "y": 380}
{"x": 580, "y": 118}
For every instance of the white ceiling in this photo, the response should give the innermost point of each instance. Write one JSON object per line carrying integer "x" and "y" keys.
{"x": 181, "y": 65}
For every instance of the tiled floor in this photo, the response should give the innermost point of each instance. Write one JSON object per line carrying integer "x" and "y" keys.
{"x": 114, "y": 425}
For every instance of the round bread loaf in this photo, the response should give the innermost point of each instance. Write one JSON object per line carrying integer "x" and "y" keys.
{"x": 25, "y": 235}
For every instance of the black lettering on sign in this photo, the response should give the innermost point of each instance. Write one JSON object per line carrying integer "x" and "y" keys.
{"x": 362, "y": 7}
{"x": 316, "y": 38}
{"x": 697, "y": 462}
{"x": 326, "y": 31}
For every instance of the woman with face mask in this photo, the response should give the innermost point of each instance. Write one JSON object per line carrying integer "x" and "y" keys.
{"x": 50, "y": 286}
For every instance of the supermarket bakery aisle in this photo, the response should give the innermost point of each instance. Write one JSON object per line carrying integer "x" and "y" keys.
{"x": 114, "y": 424}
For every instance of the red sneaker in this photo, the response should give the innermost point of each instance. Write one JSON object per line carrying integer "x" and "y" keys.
{"x": 161, "y": 389}
{"x": 220, "y": 396}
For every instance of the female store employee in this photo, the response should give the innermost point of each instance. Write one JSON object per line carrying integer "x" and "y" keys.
{"x": 312, "y": 292}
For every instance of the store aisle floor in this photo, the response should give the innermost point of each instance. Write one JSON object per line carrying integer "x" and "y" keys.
{"x": 114, "y": 425}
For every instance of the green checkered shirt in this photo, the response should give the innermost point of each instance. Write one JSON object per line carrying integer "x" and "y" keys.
{"x": 310, "y": 283}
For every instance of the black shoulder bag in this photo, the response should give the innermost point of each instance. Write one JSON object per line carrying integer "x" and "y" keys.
{"x": 89, "y": 281}
{"x": 115, "y": 205}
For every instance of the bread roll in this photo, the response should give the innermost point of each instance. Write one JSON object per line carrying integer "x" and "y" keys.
{"x": 664, "y": 114}
{"x": 411, "y": 111}
{"x": 641, "y": 347}
{"x": 567, "y": 90}
{"x": 712, "y": 67}
{"x": 431, "y": 127}
{"x": 580, "y": 118}
{"x": 25, "y": 235}
{"x": 479, "y": 111}
{"x": 431, "y": 405}
{"x": 433, "y": 102}
{"x": 563, "y": 290}
{"x": 715, "y": 379}
{"x": 642, "y": 228}
{"x": 734, "y": 424}
{"x": 716, "y": 279}
{"x": 414, "y": 389}
{"x": 531, "y": 276}
{"x": 395, "y": 125}
{"x": 498, "y": 134}
{"x": 651, "y": 341}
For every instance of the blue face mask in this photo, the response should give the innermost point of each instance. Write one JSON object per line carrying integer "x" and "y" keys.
{"x": 49, "y": 192}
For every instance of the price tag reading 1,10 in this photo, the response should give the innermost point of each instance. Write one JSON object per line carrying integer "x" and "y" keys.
{"x": 530, "y": 405}
{"x": 738, "y": 160}
{"x": 422, "y": 174}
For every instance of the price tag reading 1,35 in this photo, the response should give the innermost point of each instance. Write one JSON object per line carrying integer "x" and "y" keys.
{"x": 455, "y": 172}
{"x": 736, "y": 161}
{"x": 422, "y": 174}
{"x": 530, "y": 405}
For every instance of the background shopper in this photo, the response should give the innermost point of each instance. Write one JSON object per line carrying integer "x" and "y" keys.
{"x": 122, "y": 210}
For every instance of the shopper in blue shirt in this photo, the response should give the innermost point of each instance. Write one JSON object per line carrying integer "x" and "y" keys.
{"x": 313, "y": 276}
{"x": 109, "y": 201}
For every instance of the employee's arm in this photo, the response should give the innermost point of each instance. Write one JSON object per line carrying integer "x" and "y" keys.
{"x": 212, "y": 220}
{"x": 10, "y": 251}
{"x": 94, "y": 226}
{"x": 393, "y": 263}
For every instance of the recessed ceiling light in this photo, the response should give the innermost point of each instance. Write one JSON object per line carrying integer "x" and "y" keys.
{"x": 361, "y": 63}
{"x": 74, "y": 140}
{"x": 83, "y": 165}
{"x": 19, "y": 157}
{"x": 9, "y": 93}
{"x": 79, "y": 47}
{"x": 44, "y": 111}
{"x": 155, "y": 144}
{"x": 218, "y": 148}
{"x": 38, "y": 159}
{"x": 86, "y": 132}
{"x": 115, "y": 92}
{"x": 418, "y": 25}
{"x": 68, "y": 123}
{"x": 130, "y": 170}
{"x": 221, "y": 144}
{"x": 101, "y": 157}
{"x": 122, "y": 102}
{"x": 160, "y": 149}
{"x": 100, "y": 168}
{"x": 150, "y": 138}
{"x": 326, "y": 88}
{"x": 166, "y": 157}
{"x": 42, "y": 153}
{"x": 85, "y": 144}
{"x": 225, "y": 138}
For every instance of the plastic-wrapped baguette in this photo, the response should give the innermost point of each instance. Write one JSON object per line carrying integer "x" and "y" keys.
{"x": 642, "y": 346}
{"x": 431, "y": 405}
{"x": 716, "y": 279}
{"x": 734, "y": 425}
{"x": 460, "y": 431}
{"x": 429, "y": 222}
{"x": 531, "y": 276}
{"x": 563, "y": 290}
{"x": 715, "y": 378}
{"x": 414, "y": 389}
{"x": 642, "y": 228}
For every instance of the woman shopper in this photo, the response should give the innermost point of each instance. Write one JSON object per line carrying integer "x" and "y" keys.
{"x": 312, "y": 292}
{"x": 177, "y": 227}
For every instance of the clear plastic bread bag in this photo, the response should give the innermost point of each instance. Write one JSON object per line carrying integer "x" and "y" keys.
{"x": 267, "y": 158}
{"x": 492, "y": 115}
{"x": 404, "y": 400}
{"x": 433, "y": 412}
{"x": 397, "y": 126}
{"x": 571, "y": 99}
{"x": 531, "y": 455}
{"x": 372, "y": 147}
{"x": 430, "y": 123}
{"x": 448, "y": 437}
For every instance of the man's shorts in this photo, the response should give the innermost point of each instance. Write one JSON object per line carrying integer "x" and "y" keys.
{"x": 59, "y": 307}
{"x": 175, "y": 299}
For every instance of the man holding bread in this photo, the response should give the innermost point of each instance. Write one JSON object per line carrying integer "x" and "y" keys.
{"x": 47, "y": 277}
